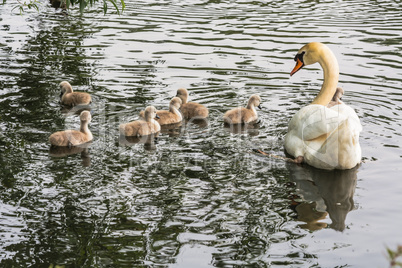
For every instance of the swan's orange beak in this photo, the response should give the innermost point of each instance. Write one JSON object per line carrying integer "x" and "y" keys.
{"x": 299, "y": 65}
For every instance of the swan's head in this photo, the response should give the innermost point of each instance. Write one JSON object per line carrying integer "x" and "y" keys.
{"x": 65, "y": 87}
{"x": 255, "y": 101}
{"x": 175, "y": 102}
{"x": 308, "y": 54}
{"x": 182, "y": 93}
{"x": 85, "y": 116}
{"x": 338, "y": 94}
{"x": 150, "y": 113}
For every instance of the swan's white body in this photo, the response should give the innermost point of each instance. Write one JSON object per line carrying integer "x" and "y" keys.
{"x": 326, "y": 138}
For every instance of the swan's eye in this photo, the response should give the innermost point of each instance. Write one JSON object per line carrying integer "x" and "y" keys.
{"x": 300, "y": 56}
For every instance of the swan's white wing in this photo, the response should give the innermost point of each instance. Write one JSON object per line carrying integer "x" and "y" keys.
{"x": 350, "y": 114}
{"x": 327, "y": 137}
{"x": 314, "y": 121}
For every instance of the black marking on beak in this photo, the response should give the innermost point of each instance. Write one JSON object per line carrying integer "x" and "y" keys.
{"x": 300, "y": 56}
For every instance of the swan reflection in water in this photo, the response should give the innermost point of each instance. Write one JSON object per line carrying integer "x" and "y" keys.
{"x": 251, "y": 129}
{"x": 63, "y": 151}
{"x": 172, "y": 130}
{"x": 75, "y": 110}
{"x": 200, "y": 122}
{"x": 322, "y": 192}
{"x": 149, "y": 141}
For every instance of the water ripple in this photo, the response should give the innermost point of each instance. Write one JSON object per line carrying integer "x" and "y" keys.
{"x": 199, "y": 187}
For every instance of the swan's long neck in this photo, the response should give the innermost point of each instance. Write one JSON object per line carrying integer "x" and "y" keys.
{"x": 251, "y": 106}
{"x": 330, "y": 66}
{"x": 84, "y": 127}
{"x": 174, "y": 110}
{"x": 184, "y": 98}
{"x": 148, "y": 117}
{"x": 68, "y": 89}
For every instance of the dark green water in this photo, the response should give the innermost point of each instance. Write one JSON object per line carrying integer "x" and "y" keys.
{"x": 199, "y": 198}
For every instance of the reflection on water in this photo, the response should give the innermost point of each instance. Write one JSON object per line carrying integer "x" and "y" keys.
{"x": 75, "y": 110}
{"x": 201, "y": 123}
{"x": 172, "y": 130}
{"x": 59, "y": 151}
{"x": 250, "y": 129}
{"x": 198, "y": 187}
{"x": 322, "y": 192}
{"x": 149, "y": 141}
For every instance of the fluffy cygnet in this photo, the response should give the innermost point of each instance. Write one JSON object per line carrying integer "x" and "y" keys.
{"x": 172, "y": 116}
{"x": 191, "y": 109}
{"x": 73, "y": 137}
{"x": 241, "y": 115}
{"x": 337, "y": 98}
{"x": 70, "y": 98}
{"x": 142, "y": 127}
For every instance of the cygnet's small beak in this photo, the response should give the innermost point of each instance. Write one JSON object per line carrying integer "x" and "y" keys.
{"x": 61, "y": 94}
{"x": 259, "y": 107}
{"x": 157, "y": 116}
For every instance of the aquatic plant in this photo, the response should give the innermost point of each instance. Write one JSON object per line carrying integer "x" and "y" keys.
{"x": 34, "y": 4}
{"x": 394, "y": 255}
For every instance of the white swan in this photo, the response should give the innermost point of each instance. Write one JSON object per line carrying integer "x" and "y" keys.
{"x": 326, "y": 138}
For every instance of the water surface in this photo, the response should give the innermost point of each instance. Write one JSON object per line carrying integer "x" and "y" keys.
{"x": 199, "y": 197}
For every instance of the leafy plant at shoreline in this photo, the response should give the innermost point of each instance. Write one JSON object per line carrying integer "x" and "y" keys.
{"x": 394, "y": 255}
{"x": 29, "y": 4}
{"x": 26, "y": 4}
{"x": 84, "y": 3}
